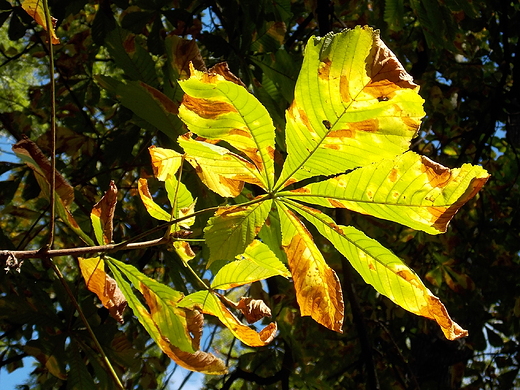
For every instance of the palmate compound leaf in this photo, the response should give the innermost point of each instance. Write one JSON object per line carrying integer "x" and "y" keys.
{"x": 216, "y": 106}
{"x": 175, "y": 330}
{"x": 209, "y": 303}
{"x": 258, "y": 262}
{"x": 354, "y": 104}
{"x": 383, "y": 270}
{"x": 411, "y": 190}
{"x": 318, "y": 290}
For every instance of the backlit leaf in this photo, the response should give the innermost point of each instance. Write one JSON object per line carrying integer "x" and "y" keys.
{"x": 166, "y": 323}
{"x": 354, "y": 104}
{"x": 102, "y": 215}
{"x": 210, "y": 304}
{"x": 37, "y": 12}
{"x": 219, "y": 109}
{"x": 165, "y": 162}
{"x": 97, "y": 281}
{"x": 410, "y": 189}
{"x": 318, "y": 290}
{"x": 258, "y": 262}
{"x": 219, "y": 169}
{"x": 383, "y": 270}
{"x": 153, "y": 208}
{"x": 233, "y": 228}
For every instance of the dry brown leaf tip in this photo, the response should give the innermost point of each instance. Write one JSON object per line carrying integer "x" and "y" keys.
{"x": 253, "y": 309}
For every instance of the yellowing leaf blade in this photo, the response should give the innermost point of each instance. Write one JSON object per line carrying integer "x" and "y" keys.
{"x": 233, "y": 228}
{"x": 411, "y": 190}
{"x": 216, "y": 106}
{"x": 354, "y": 104}
{"x": 153, "y": 208}
{"x": 318, "y": 290}
{"x": 383, "y": 270}
{"x": 174, "y": 336}
{"x": 219, "y": 169}
{"x": 210, "y": 304}
{"x": 97, "y": 281}
{"x": 165, "y": 162}
{"x": 257, "y": 263}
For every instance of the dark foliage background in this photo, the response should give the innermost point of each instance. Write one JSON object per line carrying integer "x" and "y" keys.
{"x": 465, "y": 56}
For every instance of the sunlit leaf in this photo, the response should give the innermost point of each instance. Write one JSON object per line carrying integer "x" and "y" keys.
{"x": 233, "y": 228}
{"x": 221, "y": 170}
{"x": 218, "y": 109}
{"x": 169, "y": 325}
{"x": 36, "y": 10}
{"x": 102, "y": 215}
{"x": 210, "y": 304}
{"x": 383, "y": 270}
{"x": 410, "y": 189}
{"x": 153, "y": 208}
{"x": 354, "y": 104}
{"x": 258, "y": 262}
{"x": 318, "y": 290}
{"x": 97, "y": 281}
{"x": 165, "y": 162}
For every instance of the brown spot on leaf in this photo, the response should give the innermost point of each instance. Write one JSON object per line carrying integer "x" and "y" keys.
{"x": 342, "y": 133}
{"x": 205, "y": 108}
{"x": 369, "y": 125}
{"x": 129, "y": 44}
{"x": 393, "y": 175}
{"x": 302, "y": 190}
{"x": 336, "y": 204}
{"x": 324, "y": 69}
{"x": 344, "y": 90}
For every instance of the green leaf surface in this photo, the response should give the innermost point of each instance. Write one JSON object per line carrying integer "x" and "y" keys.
{"x": 258, "y": 262}
{"x": 411, "y": 190}
{"x": 233, "y": 228}
{"x": 382, "y": 269}
{"x": 130, "y": 56}
{"x": 354, "y": 104}
{"x": 162, "y": 319}
{"x": 218, "y": 109}
{"x": 153, "y": 208}
{"x": 147, "y": 103}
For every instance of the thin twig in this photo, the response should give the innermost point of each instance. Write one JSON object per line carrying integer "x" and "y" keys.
{"x": 48, "y": 21}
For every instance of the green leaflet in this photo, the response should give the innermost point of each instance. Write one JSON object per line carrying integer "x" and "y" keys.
{"x": 258, "y": 262}
{"x": 233, "y": 228}
{"x": 411, "y": 190}
{"x": 163, "y": 319}
{"x": 383, "y": 270}
{"x": 217, "y": 108}
{"x": 146, "y": 102}
{"x": 354, "y": 104}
